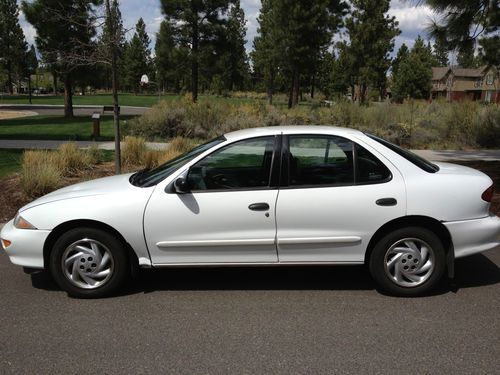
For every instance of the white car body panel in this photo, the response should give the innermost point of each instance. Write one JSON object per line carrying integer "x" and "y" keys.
{"x": 210, "y": 227}
{"x": 310, "y": 226}
{"x": 110, "y": 200}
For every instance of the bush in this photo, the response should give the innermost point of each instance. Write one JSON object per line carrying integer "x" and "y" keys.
{"x": 40, "y": 172}
{"x": 134, "y": 151}
{"x": 488, "y": 126}
{"x": 70, "y": 159}
{"x": 413, "y": 124}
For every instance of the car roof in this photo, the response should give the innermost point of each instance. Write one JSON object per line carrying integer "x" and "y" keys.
{"x": 290, "y": 129}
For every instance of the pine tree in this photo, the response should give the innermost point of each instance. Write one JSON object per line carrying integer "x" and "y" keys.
{"x": 236, "y": 55}
{"x": 423, "y": 51}
{"x": 302, "y": 29}
{"x": 466, "y": 58}
{"x": 12, "y": 42}
{"x": 461, "y": 23}
{"x": 137, "y": 57}
{"x": 441, "y": 53}
{"x": 371, "y": 32}
{"x": 113, "y": 33}
{"x": 265, "y": 55}
{"x": 402, "y": 55}
{"x": 196, "y": 22}
{"x": 65, "y": 30}
{"x": 413, "y": 75}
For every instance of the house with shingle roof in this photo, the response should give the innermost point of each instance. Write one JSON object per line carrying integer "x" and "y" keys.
{"x": 455, "y": 84}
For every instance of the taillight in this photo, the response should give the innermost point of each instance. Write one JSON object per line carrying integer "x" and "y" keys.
{"x": 488, "y": 194}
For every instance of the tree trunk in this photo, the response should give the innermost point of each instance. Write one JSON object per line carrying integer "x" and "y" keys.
{"x": 68, "y": 96}
{"x": 270, "y": 89}
{"x": 9, "y": 78}
{"x": 313, "y": 83}
{"x": 295, "y": 87}
{"x": 194, "y": 64}
{"x": 114, "y": 82}
{"x": 362, "y": 94}
{"x": 29, "y": 87}
{"x": 54, "y": 81}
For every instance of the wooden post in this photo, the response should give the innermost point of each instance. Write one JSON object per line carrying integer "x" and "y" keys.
{"x": 96, "y": 118}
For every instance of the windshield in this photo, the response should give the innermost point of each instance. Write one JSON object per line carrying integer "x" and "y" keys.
{"x": 151, "y": 177}
{"x": 410, "y": 156}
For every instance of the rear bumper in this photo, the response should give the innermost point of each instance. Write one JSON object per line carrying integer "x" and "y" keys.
{"x": 26, "y": 247}
{"x": 474, "y": 236}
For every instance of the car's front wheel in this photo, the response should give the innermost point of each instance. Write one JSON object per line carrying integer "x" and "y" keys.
{"x": 89, "y": 263}
{"x": 408, "y": 261}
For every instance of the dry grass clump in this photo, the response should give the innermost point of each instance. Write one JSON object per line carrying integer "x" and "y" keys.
{"x": 71, "y": 159}
{"x": 40, "y": 172}
{"x": 43, "y": 171}
{"x": 136, "y": 155}
{"x": 134, "y": 151}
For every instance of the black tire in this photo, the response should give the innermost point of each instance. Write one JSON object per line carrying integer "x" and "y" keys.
{"x": 384, "y": 275}
{"x": 119, "y": 263}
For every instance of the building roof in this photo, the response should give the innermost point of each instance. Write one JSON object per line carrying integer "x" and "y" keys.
{"x": 438, "y": 73}
{"x": 469, "y": 73}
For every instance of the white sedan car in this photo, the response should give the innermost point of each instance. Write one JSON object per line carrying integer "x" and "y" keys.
{"x": 276, "y": 196}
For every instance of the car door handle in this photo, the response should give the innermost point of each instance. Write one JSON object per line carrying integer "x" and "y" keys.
{"x": 386, "y": 202}
{"x": 259, "y": 207}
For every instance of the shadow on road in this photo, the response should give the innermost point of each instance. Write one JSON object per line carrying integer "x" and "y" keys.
{"x": 473, "y": 271}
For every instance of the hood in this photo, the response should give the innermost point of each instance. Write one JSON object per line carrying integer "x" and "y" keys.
{"x": 101, "y": 186}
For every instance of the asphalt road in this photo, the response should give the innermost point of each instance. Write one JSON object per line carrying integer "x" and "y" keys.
{"x": 253, "y": 321}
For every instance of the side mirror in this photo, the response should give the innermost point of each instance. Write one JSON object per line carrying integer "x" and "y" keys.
{"x": 181, "y": 185}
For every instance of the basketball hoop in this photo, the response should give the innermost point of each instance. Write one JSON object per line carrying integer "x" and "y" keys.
{"x": 144, "y": 80}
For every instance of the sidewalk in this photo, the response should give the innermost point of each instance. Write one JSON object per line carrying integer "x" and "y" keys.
{"x": 439, "y": 155}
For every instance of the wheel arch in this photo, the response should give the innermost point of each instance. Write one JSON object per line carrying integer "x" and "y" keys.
{"x": 416, "y": 221}
{"x": 85, "y": 223}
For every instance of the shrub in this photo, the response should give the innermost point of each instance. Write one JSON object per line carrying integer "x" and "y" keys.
{"x": 487, "y": 124}
{"x": 40, "y": 172}
{"x": 71, "y": 159}
{"x": 181, "y": 145}
{"x": 133, "y": 152}
{"x": 414, "y": 124}
{"x": 94, "y": 154}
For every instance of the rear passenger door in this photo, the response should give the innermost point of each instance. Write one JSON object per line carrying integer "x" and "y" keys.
{"x": 334, "y": 195}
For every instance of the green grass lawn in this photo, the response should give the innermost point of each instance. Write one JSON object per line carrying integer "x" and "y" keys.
{"x": 56, "y": 127}
{"x": 105, "y": 99}
{"x": 10, "y": 161}
{"x": 124, "y": 99}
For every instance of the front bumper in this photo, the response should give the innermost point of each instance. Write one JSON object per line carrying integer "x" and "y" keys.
{"x": 474, "y": 236}
{"x": 26, "y": 248}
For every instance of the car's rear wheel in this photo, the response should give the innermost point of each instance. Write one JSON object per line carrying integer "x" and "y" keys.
{"x": 89, "y": 263}
{"x": 408, "y": 261}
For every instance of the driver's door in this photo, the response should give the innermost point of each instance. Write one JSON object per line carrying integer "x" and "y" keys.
{"x": 227, "y": 217}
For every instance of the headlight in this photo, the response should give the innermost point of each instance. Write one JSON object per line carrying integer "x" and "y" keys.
{"x": 21, "y": 223}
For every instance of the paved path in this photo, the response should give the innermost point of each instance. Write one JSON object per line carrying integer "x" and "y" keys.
{"x": 488, "y": 155}
{"x": 79, "y": 110}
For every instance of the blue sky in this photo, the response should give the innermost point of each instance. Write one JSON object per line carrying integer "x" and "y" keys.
{"x": 413, "y": 18}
